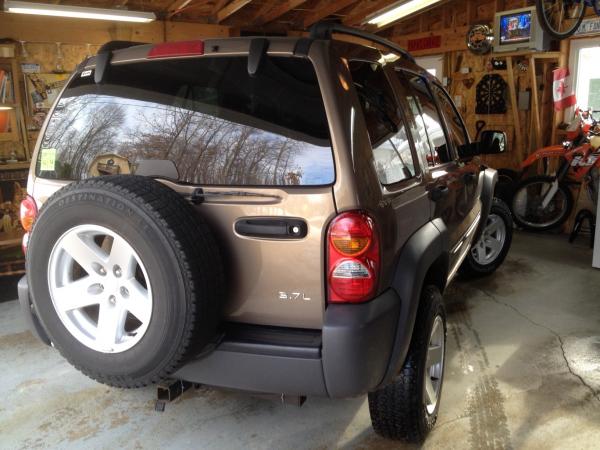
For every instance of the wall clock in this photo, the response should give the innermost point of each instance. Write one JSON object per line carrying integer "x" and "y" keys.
{"x": 479, "y": 39}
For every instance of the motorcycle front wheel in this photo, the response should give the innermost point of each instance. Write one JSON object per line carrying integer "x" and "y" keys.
{"x": 529, "y": 211}
{"x": 561, "y": 18}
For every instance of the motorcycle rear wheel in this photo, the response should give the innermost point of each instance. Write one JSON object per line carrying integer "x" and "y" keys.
{"x": 527, "y": 209}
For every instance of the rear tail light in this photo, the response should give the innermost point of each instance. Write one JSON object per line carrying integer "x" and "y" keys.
{"x": 174, "y": 49}
{"x": 352, "y": 259}
{"x": 27, "y": 214}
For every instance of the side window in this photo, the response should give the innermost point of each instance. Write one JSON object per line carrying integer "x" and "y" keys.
{"x": 456, "y": 129}
{"x": 387, "y": 131}
{"x": 430, "y": 123}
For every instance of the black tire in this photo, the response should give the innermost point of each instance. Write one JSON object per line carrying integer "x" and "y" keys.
{"x": 473, "y": 267}
{"x": 398, "y": 410}
{"x": 547, "y": 24}
{"x": 531, "y": 220}
{"x": 181, "y": 259}
{"x": 507, "y": 183}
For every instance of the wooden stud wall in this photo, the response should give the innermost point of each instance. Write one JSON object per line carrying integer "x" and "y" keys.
{"x": 452, "y": 21}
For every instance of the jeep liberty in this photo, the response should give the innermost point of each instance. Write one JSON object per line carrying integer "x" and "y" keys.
{"x": 275, "y": 215}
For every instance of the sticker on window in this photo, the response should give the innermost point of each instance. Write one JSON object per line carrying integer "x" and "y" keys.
{"x": 48, "y": 159}
{"x": 86, "y": 73}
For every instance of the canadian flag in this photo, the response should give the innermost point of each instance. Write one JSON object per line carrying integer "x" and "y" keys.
{"x": 563, "y": 90}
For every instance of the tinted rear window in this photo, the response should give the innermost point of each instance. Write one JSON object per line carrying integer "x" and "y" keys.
{"x": 201, "y": 121}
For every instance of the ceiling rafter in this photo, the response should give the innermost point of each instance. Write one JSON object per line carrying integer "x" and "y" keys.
{"x": 231, "y": 9}
{"x": 218, "y": 6}
{"x": 329, "y": 9}
{"x": 278, "y": 11}
{"x": 264, "y": 9}
{"x": 177, "y": 6}
{"x": 363, "y": 10}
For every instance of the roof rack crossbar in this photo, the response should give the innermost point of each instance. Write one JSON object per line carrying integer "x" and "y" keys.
{"x": 324, "y": 30}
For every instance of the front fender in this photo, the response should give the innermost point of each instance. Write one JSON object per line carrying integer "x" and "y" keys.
{"x": 554, "y": 151}
{"x": 488, "y": 179}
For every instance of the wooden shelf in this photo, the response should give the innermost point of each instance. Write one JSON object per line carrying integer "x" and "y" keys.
{"x": 16, "y": 166}
{"x": 11, "y": 238}
{"x": 529, "y": 54}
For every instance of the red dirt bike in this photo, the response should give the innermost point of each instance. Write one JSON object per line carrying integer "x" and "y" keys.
{"x": 545, "y": 202}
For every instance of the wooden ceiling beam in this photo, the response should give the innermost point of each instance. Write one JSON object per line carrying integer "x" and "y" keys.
{"x": 264, "y": 9}
{"x": 278, "y": 11}
{"x": 329, "y": 9}
{"x": 361, "y": 12}
{"x": 218, "y": 6}
{"x": 231, "y": 9}
{"x": 176, "y": 7}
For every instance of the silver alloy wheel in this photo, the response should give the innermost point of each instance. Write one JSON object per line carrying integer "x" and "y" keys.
{"x": 491, "y": 242}
{"x": 434, "y": 367}
{"x": 100, "y": 289}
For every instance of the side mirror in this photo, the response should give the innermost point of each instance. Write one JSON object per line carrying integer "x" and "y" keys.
{"x": 493, "y": 142}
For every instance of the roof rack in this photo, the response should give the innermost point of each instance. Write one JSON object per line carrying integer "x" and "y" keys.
{"x": 324, "y": 30}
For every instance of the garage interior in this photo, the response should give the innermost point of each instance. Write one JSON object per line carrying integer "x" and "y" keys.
{"x": 523, "y": 346}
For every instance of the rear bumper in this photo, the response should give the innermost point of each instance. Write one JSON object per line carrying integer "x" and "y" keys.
{"x": 349, "y": 357}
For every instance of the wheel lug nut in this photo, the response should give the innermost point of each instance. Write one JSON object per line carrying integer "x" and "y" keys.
{"x": 124, "y": 292}
{"x": 112, "y": 300}
{"x": 99, "y": 268}
{"x": 117, "y": 271}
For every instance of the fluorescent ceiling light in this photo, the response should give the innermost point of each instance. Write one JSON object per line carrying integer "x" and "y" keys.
{"x": 5, "y": 108}
{"x": 398, "y": 12}
{"x": 78, "y": 12}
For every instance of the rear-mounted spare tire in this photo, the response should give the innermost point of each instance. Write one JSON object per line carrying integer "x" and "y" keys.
{"x": 126, "y": 278}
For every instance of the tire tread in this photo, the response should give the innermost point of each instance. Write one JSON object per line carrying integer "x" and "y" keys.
{"x": 195, "y": 249}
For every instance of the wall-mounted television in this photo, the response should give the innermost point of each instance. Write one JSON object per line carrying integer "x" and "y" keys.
{"x": 519, "y": 29}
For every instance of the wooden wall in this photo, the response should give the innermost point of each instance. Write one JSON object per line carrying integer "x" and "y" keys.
{"x": 60, "y": 44}
{"x": 80, "y": 38}
{"x": 452, "y": 20}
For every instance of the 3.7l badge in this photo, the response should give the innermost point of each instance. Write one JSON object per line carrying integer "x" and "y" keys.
{"x": 293, "y": 296}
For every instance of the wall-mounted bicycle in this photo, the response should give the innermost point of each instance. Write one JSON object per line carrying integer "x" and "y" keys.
{"x": 561, "y": 18}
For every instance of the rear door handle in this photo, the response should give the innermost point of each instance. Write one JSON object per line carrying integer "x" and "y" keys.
{"x": 272, "y": 227}
{"x": 439, "y": 192}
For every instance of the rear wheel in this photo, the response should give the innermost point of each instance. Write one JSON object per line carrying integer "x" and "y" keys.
{"x": 507, "y": 182}
{"x": 541, "y": 203}
{"x": 125, "y": 277}
{"x": 560, "y": 18}
{"x": 407, "y": 408}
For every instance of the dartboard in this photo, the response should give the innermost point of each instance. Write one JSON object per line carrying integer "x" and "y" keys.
{"x": 490, "y": 95}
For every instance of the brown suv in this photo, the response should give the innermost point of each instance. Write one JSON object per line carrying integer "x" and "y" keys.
{"x": 278, "y": 215}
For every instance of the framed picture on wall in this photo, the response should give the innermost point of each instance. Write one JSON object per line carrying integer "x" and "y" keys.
{"x": 42, "y": 89}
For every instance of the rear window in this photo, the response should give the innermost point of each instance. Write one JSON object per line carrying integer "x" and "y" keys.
{"x": 202, "y": 121}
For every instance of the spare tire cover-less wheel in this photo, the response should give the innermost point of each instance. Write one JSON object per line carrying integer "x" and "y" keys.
{"x": 125, "y": 277}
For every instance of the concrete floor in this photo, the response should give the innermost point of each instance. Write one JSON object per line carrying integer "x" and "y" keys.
{"x": 523, "y": 372}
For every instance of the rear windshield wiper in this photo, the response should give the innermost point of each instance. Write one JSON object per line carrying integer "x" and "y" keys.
{"x": 199, "y": 196}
